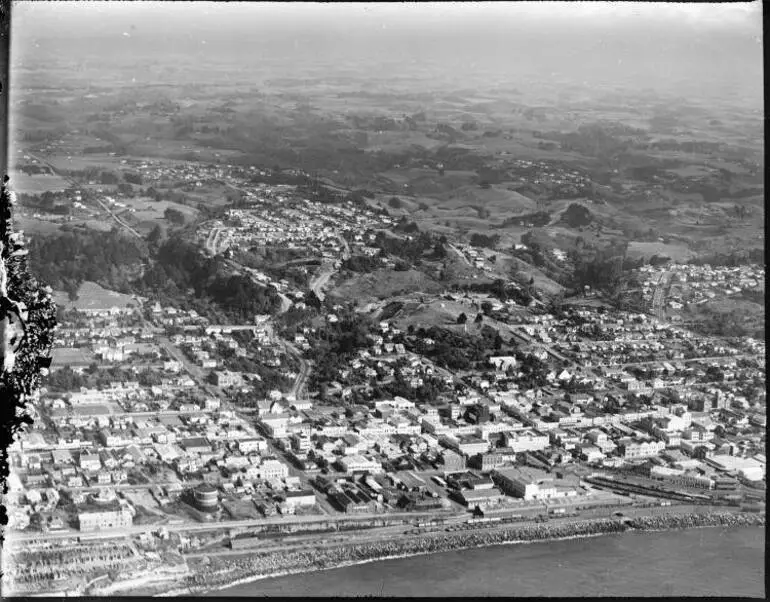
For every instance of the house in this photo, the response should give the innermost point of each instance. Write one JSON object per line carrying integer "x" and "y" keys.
{"x": 503, "y": 362}
{"x": 211, "y": 403}
{"x": 62, "y": 457}
{"x": 226, "y": 378}
{"x": 90, "y": 462}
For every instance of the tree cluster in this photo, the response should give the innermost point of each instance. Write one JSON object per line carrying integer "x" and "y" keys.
{"x": 67, "y": 259}
{"x": 361, "y": 263}
{"x": 456, "y": 351}
{"x": 180, "y": 266}
{"x": 485, "y": 240}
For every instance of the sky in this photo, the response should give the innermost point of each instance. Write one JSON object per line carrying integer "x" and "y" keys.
{"x": 287, "y": 17}
{"x": 643, "y": 42}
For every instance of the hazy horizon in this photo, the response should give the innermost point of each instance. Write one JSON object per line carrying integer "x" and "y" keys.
{"x": 717, "y": 47}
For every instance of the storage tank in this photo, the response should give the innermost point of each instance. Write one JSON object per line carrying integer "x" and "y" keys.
{"x": 206, "y": 497}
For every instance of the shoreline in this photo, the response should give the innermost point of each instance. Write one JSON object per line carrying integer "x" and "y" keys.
{"x": 247, "y": 580}
{"x": 355, "y": 554}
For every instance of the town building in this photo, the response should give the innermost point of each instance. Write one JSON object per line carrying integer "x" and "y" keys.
{"x": 95, "y": 519}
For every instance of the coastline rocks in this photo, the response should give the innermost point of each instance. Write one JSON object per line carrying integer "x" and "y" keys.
{"x": 224, "y": 571}
{"x": 687, "y": 521}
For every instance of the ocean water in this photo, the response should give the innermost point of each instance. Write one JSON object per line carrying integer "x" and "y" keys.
{"x": 698, "y": 562}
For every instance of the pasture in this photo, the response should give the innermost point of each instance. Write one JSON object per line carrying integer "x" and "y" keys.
{"x": 677, "y": 252}
{"x": 37, "y": 184}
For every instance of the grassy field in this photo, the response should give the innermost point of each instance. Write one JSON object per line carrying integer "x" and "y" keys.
{"x": 399, "y": 141}
{"x": 146, "y": 209}
{"x": 498, "y": 200}
{"x": 463, "y": 223}
{"x": 542, "y": 282}
{"x": 420, "y": 181}
{"x": 677, "y": 252}
{"x": 92, "y": 296}
{"x": 36, "y": 227}
{"x": 37, "y": 184}
{"x": 384, "y": 283}
{"x": 437, "y": 312}
{"x": 83, "y": 162}
{"x": 101, "y": 225}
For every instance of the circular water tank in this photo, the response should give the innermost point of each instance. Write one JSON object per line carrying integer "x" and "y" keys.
{"x": 206, "y": 496}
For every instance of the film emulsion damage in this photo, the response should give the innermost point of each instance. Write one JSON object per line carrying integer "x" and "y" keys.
{"x": 27, "y": 311}
{"x": 27, "y": 320}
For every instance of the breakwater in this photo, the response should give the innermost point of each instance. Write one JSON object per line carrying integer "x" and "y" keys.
{"x": 222, "y": 572}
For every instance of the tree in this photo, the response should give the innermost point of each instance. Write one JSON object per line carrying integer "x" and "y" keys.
{"x": 108, "y": 177}
{"x": 479, "y": 318}
{"x": 174, "y": 216}
{"x": 556, "y": 303}
{"x": 483, "y": 240}
{"x": 439, "y": 250}
{"x": 155, "y": 235}
{"x": 396, "y": 202}
{"x": 714, "y": 373}
{"x": 126, "y": 189}
{"x": 462, "y": 318}
{"x": 133, "y": 178}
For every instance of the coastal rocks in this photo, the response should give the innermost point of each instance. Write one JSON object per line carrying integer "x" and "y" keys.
{"x": 257, "y": 565}
{"x": 689, "y": 521}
